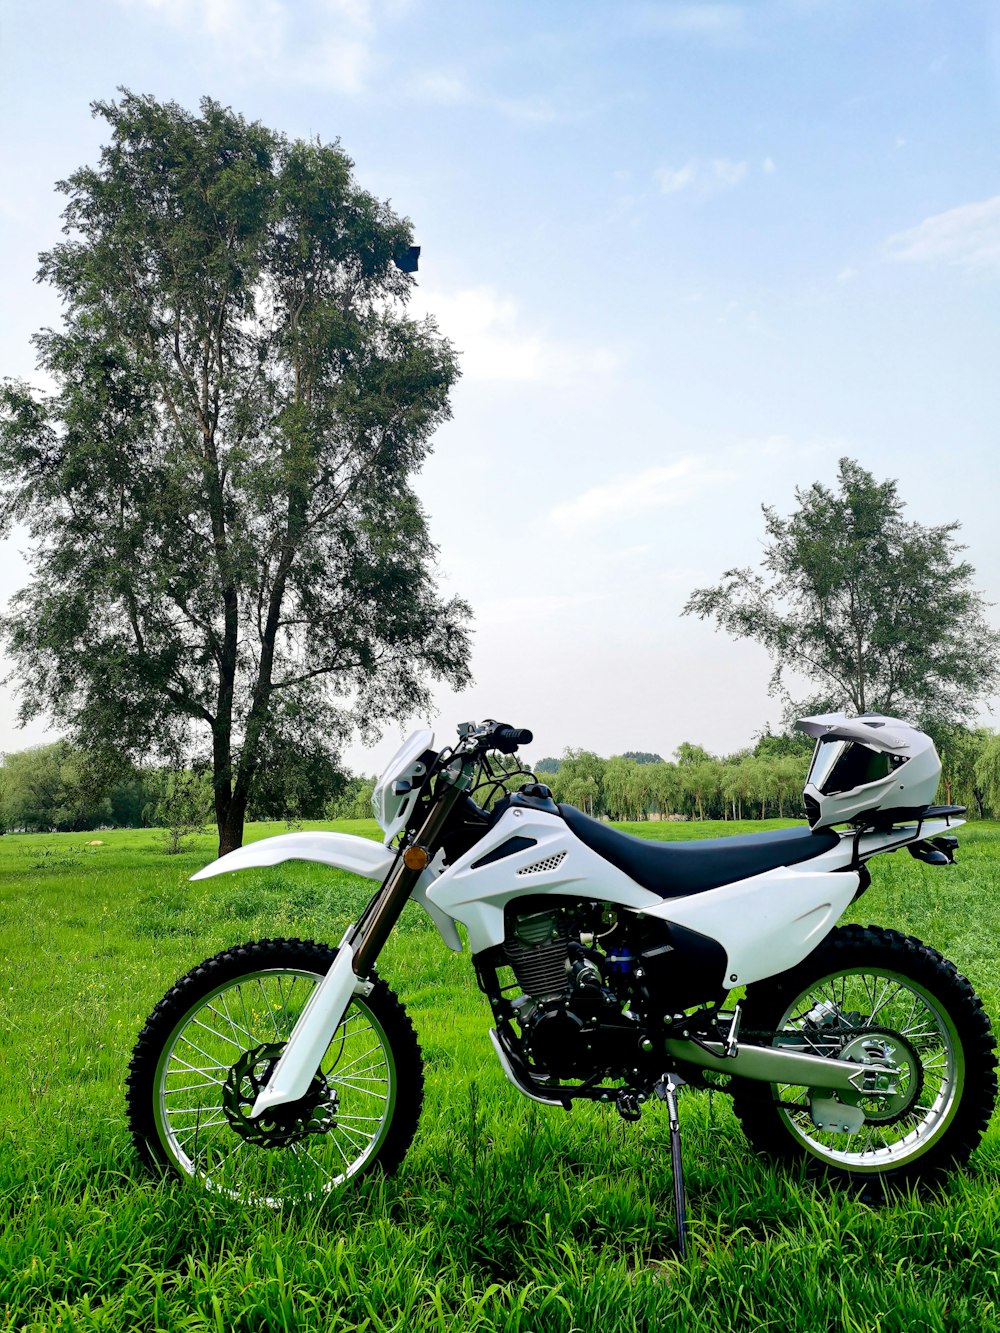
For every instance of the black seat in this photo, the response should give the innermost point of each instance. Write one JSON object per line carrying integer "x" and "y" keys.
{"x": 673, "y": 869}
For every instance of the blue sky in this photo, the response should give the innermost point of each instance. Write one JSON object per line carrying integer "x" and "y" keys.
{"x": 692, "y": 253}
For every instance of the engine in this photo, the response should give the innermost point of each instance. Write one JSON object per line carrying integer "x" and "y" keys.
{"x": 595, "y": 978}
{"x": 571, "y": 1021}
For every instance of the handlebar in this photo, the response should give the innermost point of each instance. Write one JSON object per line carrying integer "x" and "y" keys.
{"x": 493, "y": 735}
{"x": 507, "y": 739}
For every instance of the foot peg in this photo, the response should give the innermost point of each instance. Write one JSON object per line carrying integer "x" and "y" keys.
{"x": 666, "y": 1088}
{"x": 627, "y": 1106}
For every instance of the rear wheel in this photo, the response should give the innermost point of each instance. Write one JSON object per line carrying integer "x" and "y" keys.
{"x": 885, "y": 1000}
{"x": 209, "y": 1047}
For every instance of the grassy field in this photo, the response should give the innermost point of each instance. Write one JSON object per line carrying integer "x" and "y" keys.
{"x": 505, "y": 1215}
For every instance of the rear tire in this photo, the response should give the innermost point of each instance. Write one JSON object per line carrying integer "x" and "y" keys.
{"x": 208, "y": 1047}
{"x": 915, "y": 1007}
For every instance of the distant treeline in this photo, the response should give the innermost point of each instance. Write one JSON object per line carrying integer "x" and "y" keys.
{"x": 61, "y": 788}
{"x": 764, "y": 782}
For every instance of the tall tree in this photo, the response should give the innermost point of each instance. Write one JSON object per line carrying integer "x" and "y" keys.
{"x": 225, "y": 540}
{"x": 878, "y": 611}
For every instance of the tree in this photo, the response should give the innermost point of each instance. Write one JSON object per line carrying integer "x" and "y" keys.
{"x": 547, "y": 765}
{"x": 687, "y": 753}
{"x": 296, "y": 780}
{"x": 226, "y": 548}
{"x": 580, "y": 780}
{"x": 181, "y": 804}
{"x": 879, "y": 612}
{"x": 769, "y": 746}
{"x": 617, "y": 772}
{"x": 987, "y": 771}
{"x": 51, "y": 787}
{"x": 354, "y": 801}
{"x": 702, "y": 780}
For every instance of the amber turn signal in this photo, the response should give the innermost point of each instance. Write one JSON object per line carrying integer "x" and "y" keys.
{"x": 415, "y": 858}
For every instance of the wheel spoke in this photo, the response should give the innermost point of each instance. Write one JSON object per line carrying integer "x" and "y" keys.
{"x": 363, "y": 1056}
{"x": 235, "y": 1027}
{"x": 267, "y": 1005}
{"x": 185, "y": 1038}
{"x": 215, "y": 1033}
{"x": 193, "y": 1069}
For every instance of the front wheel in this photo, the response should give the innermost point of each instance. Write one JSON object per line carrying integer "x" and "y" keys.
{"x": 208, "y": 1048}
{"x": 881, "y": 999}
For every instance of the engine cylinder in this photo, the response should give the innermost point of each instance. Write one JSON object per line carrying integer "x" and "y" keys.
{"x": 537, "y": 951}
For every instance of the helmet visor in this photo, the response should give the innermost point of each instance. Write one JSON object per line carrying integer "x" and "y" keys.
{"x": 843, "y": 765}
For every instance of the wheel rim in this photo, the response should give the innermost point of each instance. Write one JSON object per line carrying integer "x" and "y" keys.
{"x": 910, "y": 1024}
{"x": 224, "y": 1045}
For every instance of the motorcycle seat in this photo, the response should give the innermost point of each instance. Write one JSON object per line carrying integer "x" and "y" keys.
{"x": 675, "y": 869}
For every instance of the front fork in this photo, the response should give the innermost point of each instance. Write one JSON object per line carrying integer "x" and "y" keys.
{"x": 356, "y": 956}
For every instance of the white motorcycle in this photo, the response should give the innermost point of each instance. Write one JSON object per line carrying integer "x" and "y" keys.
{"x": 612, "y": 965}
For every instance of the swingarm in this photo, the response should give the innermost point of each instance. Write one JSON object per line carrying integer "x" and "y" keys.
{"x": 775, "y": 1064}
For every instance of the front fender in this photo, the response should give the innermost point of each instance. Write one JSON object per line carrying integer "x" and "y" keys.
{"x": 346, "y": 851}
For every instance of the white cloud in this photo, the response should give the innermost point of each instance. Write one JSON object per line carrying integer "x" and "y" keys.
{"x": 497, "y": 344}
{"x": 702, "y": 177}
{"x": 701, "y": 20}
{"x": 726, "y": 173}
{"x": 787, "y": 448}
{"x": 440, "y": 87}
{"x": 671, "y": 182}
{"x": 329, "y": 45}
{"x": 968, "y": 237}
{"x": 629, "y": 494}
{"x": 768, "y": 167}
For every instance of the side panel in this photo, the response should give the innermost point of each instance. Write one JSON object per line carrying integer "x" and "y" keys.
{"x": 768, "y": 923}
{"x": 548, "y": 859}
{"x": 344, "y": 850}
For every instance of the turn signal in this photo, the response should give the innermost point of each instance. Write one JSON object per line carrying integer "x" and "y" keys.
{"x": 415, "y": 858}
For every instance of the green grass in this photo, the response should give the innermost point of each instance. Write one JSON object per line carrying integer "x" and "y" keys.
{"x": 505, "y": 1215}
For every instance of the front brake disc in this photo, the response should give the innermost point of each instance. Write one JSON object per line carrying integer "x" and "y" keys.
{"x": 312, "y": 1113}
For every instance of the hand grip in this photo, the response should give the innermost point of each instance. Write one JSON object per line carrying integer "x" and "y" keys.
{"x": 507, "y": 739}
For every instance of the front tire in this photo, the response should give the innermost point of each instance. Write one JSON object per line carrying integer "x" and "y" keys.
{"x": 209, "y": 1046}
{"x": 868, "y": 994}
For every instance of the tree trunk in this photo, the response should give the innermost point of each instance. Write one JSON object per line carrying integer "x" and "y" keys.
{"x": 230, "y": 824}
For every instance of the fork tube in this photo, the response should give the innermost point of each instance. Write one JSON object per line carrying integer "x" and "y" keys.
{"x": 379, "y": 918}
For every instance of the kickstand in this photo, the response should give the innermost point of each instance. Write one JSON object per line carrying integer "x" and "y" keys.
{"x": 666, "y": 1089}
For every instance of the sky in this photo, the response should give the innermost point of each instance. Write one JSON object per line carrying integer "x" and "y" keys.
{"x": 692, "y": 254}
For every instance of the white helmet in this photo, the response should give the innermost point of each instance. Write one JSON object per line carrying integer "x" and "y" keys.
{"x": 872, "y": 766}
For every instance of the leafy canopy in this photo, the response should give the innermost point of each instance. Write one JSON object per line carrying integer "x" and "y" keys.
{"x": 225, "y": 542}
{"x": 879, "y": 612}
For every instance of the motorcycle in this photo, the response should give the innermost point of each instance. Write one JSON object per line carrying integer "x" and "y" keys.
{"x": 617, "y": 969}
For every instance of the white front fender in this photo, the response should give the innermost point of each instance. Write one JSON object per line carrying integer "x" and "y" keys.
{"x": 346, "y": 851}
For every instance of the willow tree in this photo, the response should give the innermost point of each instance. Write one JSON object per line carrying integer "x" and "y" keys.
{"x": 226, "y": 550}
{"x": 878, "y": 612}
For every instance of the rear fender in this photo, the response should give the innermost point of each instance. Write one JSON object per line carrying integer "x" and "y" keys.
{"x": 345, "y": 851}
